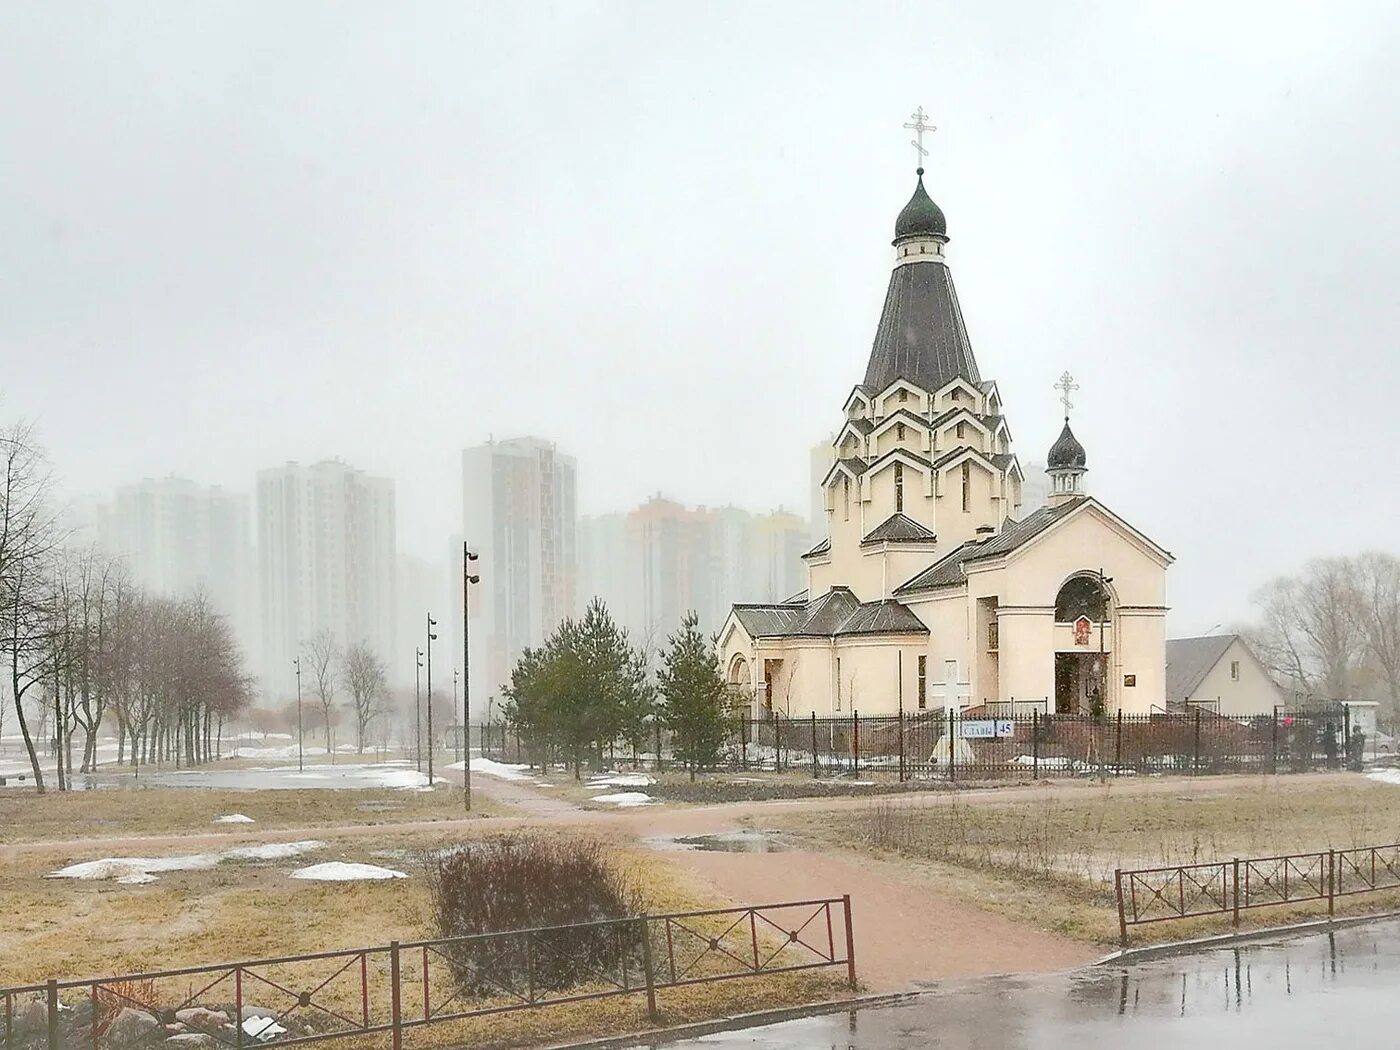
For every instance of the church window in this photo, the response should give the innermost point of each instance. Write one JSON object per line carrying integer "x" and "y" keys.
{"x": 899, "y": 486}
{"x": 967, "y": 487}
{"x": 961, "y": 430}
{"x": 923, "y": 682}
{"x": 1080, "y": 596}
{"x": 903, "y": 395}
{"x": 899, "y": 431}
{"x": 1234, "y": 670}
{"x": 846, "y": 499}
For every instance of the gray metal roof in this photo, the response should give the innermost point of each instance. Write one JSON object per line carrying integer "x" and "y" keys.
{"x": 949, "y": 570}
{"x": 820, "y": 548}
{"x": 836, "y": 613}
{"x": 1189, "y": 660}
{"x": 899, "y": 528}
{"x": 921, "y": 336}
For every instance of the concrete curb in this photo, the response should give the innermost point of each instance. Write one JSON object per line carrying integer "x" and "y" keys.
{"x": 1224, "y": 940}
{"x": 661, "y": 1036}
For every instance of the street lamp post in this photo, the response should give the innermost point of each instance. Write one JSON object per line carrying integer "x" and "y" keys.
{"x": 431, "y": 638}
{"x": 468, "y": 578}
{"x": 418, "y": 710}
{"x": 456, "y": 744}
{"x": 296, "y": 662}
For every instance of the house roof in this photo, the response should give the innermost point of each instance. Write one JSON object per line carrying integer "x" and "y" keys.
{"x": 949, "y": 571}
{"x": 899, "y": 528}
{"x": 921, "y": 336}
{"x": 1189, "y": 660}
{"x": 821, "y": 548}
{"x": 834, "y": 614}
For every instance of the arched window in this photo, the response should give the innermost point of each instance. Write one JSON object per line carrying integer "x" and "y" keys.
{"x": 846, "y": 499}
{"x": 899, "y": 486}
{"x": 1081, "y": 596}
{"x": 961, "y": 429}
{"x": 903, "y": 395}
{"x": 899, "y": 431}
{"x": 967, "y": 487}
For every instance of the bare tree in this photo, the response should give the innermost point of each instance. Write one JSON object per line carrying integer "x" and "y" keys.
{"x": 27, "y": 537}
{"x": 1377, "y": 584}
{"x": 322, "y": 656}
{"x": 367, "y": 679}
{"x": 1310, "y": 633}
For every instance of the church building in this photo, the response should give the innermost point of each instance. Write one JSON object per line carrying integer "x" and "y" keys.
{"x": 931, "y": 590}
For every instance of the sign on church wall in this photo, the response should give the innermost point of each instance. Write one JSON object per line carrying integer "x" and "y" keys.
{"x": 1082, "y": 627}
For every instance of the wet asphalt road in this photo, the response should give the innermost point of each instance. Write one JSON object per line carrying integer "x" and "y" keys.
{"x": 1318, "y": 990}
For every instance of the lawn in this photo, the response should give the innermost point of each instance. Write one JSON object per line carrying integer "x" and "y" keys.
{"x": 1050, "y": 860}
{"x": 253, "y": 909}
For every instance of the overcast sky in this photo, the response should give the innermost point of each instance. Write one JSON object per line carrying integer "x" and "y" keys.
{"x": 237, "y": 234}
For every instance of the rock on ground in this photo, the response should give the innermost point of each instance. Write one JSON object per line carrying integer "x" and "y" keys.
{"x": 201, "y": 1017}
{"x": 131, "y": 1027}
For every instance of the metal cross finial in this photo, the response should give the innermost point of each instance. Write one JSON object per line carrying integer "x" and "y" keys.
{"x": 918, "y": 126}
{"x": 1066, "y": 385}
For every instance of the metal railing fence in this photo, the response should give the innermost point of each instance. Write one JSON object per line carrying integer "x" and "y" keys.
{"x": 394, "y": 988}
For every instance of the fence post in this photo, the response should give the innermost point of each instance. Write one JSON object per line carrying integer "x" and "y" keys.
{"x": 1122, "y": 917}
{"x": 855, "y": 741}
{"x": 52, "y": 996}
{"x": 901, "y": 745}
{"x": 1331, "y": 882}
{"x": 1196, "y": 747}
{"x": 1273, "y": 761}
{"x": 1035, "y": 743}
{"x": 952, "y": 748}
{"x": 850, "y": 943}
{"x": 1235, "y": 918}
{"x": 778, "y": 739}
{"x": 650, "y": 972}
{"x": 744, "y": 743}
{"x": 395, "y": 1006}
{"x": 238, "y": 997}
{"x": 1118, "y": 746}
{"x": 814, "y": 742}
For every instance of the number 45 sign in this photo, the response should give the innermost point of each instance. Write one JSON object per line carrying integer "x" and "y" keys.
{"x": 988, "y": 729}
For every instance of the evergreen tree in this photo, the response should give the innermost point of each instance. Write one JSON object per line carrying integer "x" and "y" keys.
{"x": 693, "y": 696}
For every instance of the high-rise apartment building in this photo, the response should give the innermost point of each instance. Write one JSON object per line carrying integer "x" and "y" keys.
{"x": 519, "y": 514}
{"x": 326, "y": 553}
{"x": 178, "y": 537}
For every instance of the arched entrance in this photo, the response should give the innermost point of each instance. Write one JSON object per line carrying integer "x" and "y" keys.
{"x": 740, "y": 680}
{"x": 1083, "y": 644}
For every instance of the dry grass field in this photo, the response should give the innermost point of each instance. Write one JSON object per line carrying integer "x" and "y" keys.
{"x": 1050, "y": 861}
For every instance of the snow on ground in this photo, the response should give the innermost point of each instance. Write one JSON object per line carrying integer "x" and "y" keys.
{"x": 275, "y": 753}
{"x": 625, "y": 798}
{"x": 492, "y": 768}
{"x": 343, "y": 871}
{"x": 356, "y": 775}
{"x": 262, "y": 1028}
{"x": 1385, "y": 776}
{"x": 133, "y": 870}
{"x": 620, "y": 780}
{"x": 233, "y": 818}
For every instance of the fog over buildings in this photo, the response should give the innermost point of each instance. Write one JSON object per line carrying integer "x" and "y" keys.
{"x": 650, "y": 243}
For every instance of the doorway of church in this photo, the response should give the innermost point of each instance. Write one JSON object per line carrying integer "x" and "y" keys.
{"x": 1079, "y": 683}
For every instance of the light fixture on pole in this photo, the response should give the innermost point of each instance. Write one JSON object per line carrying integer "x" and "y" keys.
{"x": 296, "y": 662}
{"x": 468, "y": 578}
{"x": 418, "y": 710}
{"x": 431, "y": 638}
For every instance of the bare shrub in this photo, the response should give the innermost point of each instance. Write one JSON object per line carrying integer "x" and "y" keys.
{"x": 525, "y": 882}
{"x": 115, "y": 996}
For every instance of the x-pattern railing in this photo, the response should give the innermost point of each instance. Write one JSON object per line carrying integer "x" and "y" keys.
{"x": 1146, "y": 895}
{"x": 457, "y": 977}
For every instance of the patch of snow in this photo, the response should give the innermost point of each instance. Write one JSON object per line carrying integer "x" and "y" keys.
{"x": 621, "y": 780}
{"x": 289, "y": 751}
{"x": 343, "y": 871}
{"x": 136, "y": 870}
{"x": 262, "y": 1028}
{"x": 625, "y": 798}
{"x": 1384, "y": 776}
{"x": 503, "y": 770}
{"x": 234, "y": 818}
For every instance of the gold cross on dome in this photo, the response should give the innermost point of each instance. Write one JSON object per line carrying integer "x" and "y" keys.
{"x": 918, "y": 126}
{"x": 1066, "y": 385}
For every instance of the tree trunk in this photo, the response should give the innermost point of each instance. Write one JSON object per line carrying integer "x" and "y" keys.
{"x": 18, "y": 694}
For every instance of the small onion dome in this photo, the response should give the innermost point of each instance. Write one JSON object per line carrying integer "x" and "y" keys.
{"x": 1066, "y": 452}
{"x": 920, "y": 217}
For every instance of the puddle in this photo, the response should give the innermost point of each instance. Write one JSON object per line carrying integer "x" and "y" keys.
{"x": 724, "y": 842}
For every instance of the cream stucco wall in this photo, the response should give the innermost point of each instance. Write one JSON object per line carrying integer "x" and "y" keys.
{"x": 1253, "y": 693}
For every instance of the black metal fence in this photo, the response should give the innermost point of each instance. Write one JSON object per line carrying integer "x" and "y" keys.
{"x": 392, "y": 989}
{"x": 956, "y": 746}
{"x": 1228, "y": 887}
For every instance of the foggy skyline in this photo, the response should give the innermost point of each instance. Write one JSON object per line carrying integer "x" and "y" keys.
{"x": 241, "y": 235}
